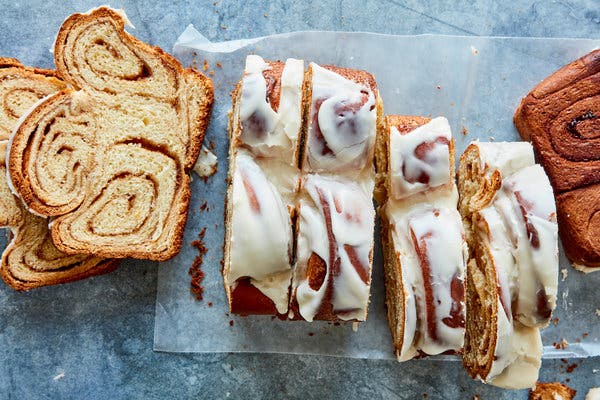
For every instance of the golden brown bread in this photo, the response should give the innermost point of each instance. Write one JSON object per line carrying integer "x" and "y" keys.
{"x": 31, "y": 260}
{"x": 109, "y": 160}
{"x": 552, "y": 391}
{"x": 561, "y": 117}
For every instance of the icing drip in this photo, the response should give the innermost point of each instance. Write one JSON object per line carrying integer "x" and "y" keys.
{"x": 342, "y": 123}
{"x": 336, "y": 226}
{"x": 420, "y": 159}
{"x": 261, "y": 232}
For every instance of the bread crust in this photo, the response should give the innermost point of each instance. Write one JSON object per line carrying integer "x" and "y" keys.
{"x": 561, "y": 116}
{"x": 191, "y": 99}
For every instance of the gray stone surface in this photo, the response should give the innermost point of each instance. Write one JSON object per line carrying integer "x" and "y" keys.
{"x": 93, "y": 339}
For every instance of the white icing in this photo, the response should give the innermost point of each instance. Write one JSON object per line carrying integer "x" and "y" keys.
{"x": 506, "y": 157}
{"x": 526, "y": 354}
{"x": 206, "y": 165}
{"x": 406, "y": 167}
{"x": 348, "y": 133}
{"x": 265, "y": 131}
{"x": 352, "y": 223}
{"x": 440, "y": 231}
{"x": 261, "y": 238}
{"x": 593, "y": 394}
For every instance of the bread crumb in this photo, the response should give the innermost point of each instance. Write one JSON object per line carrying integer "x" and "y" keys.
{"x": 564, "y": 344}
{"x": 204, "y": 206}
{"x": 355, "y": 326}
{"x": 598, "y": 312}
{"x": 311, "y": 334}
{"x": 219, "y": 65}
{"x": 266, "y": 15}
{"x": 565, "y": 273}
{"x": 211, "y": 73}
{"x": 555, "y": 320}
{"x": 230, "y": 322}
{"x": 210, "y": 304}
{"x": 224, "y": 27}
{"x": 463, "y": 130}
{"x": 59, "y": 377}
{"x": 438, "y": 87}
{"x": 205, "y": 68}
{"x": 196, "y": 269}
{"x": 492, "y": 138}
{"x": 571, "y": 367}
{"x": 474, "y": 51}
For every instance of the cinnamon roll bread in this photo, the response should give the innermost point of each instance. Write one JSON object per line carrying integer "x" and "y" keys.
{"x": 31, "y": 260}
{"x": 424, "y": 246}
{"x": 264, "y": 131}
{"x": 508, "y": 210}
{"x": 332, "y": 277}
{"x": 561, "y": 118}
{"x": 108, "y": 159}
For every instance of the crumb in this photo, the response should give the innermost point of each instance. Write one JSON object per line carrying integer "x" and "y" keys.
{"x": 266, "y": 15}
{"x": 425, "y": 395}
{"x": 211, "y": 73}
{"x": 210, "y": 304}
{"x": 464, "y": 131}
{"x": 224, "y": 27}
{"x": 565, "y": 273}
{"x": 355, "y": 326}
{"x": 59, "y": 376}
{"x": 438, "y": 87}
{"x": 451, "y": 104}
{"x": 215, "y": 3}
{"x": 571, "y": 367}
{"x": 204, "y": 206}
{"x": 563, "y": 344}
{"x": 492, "y": 138}
{"x": 336, "y": 323}
{"x": 474, "y": 51}
{"x": 230, "y": 322}
{"x": 568, "y": 380}
{"x": 211, "y": 144}
{"x": 311, "y": 334}
{"x": 563, "y": 360}
{"x": 196, "y": 269}
{"x": 555, "y": 320}
{"x": 475, "y": 397}
{"x": 219, "y": 65}
{"x": 595, "y": 371}
{"x": 272, "y": 317}
{"x": 598, "y": 312}
{"x": 585, "y": 334}
{"x": 578, "y": 340}
{"x": 205, "y": 68}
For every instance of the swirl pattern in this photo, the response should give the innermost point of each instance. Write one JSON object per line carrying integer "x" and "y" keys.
{"x": 109, "y": 160}
{"x": 561, "y": 117}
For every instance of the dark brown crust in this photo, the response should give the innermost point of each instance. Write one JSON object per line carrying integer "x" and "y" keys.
{"x": 561, "y": 117}
{"x": 551, "y": 391}
{"x": 197, "y": 91}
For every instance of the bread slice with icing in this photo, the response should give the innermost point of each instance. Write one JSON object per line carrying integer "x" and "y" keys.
{"x": 264, "y": 131}
{"x": 424, "y": 246}
{"x": 332, "y": 277}
{"x": 508, "y": 210}
{"x": 109, "y": 159}
{"x": 31, "y": 260}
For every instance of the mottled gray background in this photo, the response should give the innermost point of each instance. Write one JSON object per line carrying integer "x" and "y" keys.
{"x": 93, "y": 339}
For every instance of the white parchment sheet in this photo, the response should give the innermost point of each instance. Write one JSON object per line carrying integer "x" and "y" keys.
{"x": 476, "y": 82}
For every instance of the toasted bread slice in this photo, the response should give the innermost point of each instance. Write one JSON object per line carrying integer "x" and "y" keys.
{"x": 552, "y": 391}
{"x": 109, "y": 158}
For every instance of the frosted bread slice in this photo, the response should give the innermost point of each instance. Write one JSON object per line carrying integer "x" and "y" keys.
{"x": 343, "y": 113}
{"x": 264, "y": 130}
{"x": 508, "y": 210}
{"x": 109, "y": 159}
{"x": 424, "y": 245}
{"x": 31, "y": 260}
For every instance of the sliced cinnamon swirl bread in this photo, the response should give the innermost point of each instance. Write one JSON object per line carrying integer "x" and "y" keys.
{"x": 31, "y": 259}
{"x": 109, "y": 160}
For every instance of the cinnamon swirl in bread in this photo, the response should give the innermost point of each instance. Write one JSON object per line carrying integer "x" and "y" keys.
{"x": 424, "y": 245}
{"x": 31, "y": 260}
{"x": 508, "y": 210}
{"x": 264, "y": 131}
{"x": 109, "y": 158}
{"x": 561, "y": 118}
{"x": 332, "y": 278}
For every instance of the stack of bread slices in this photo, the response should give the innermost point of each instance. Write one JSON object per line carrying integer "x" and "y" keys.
{"x": 95, "y": 156}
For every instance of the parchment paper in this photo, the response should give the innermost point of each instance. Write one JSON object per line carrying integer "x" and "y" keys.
{"x": 476, "y": 82}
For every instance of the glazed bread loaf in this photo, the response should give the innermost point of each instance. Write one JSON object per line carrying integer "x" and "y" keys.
{"x": 508, "y": 211}
{"x": 424, "y": 247}
{"x": 560, "y": 117}
{"x": 108, "y": 159}
{"x": 31, "y": 259}
{"x": 264, "y": 131}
